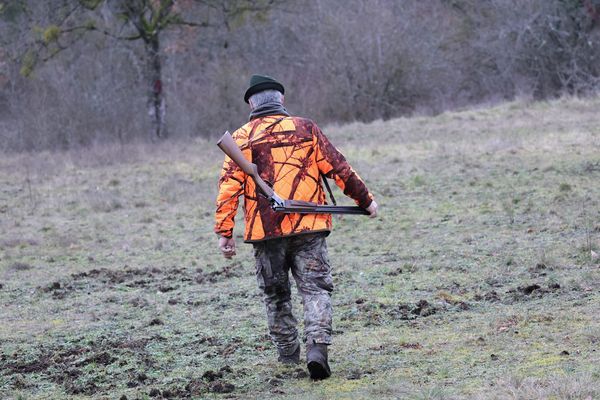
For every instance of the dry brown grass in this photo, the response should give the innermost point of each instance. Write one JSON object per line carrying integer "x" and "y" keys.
{"x": 559, "y": 387}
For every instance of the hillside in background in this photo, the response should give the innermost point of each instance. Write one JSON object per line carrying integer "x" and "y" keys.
{"x": 74, "y": 73}
{"x": 478, "y": 280}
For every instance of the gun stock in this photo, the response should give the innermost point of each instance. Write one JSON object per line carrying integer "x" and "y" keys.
{"x": 230, "y": 147}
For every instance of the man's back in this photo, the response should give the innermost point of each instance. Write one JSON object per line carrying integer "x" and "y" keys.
{"x": 291, "y": 154}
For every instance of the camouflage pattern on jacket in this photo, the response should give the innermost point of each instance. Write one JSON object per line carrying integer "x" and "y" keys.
{"x": 291, "y": 154}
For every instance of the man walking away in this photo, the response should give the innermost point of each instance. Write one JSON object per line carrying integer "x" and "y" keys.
{"x": 292, "y": 155}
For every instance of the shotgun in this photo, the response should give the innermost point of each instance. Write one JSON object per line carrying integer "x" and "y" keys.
{"x": 230, "y": 147}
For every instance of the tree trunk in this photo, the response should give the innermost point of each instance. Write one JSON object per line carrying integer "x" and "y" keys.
{"x": 156, "y": 99}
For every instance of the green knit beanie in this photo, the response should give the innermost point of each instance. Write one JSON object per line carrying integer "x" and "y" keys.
{"x": 258, "y": 83}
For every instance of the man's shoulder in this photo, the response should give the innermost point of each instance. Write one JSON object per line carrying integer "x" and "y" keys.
{"x": 300, "y": 124}
{"x": 304, "y": 125}
{"x": 303, "y": 121}
{"x": 243, "y": 132}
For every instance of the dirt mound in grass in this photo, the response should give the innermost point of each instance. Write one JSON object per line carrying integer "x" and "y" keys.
{"x": 67, "y": 366}
{"x": 154, "y": 279}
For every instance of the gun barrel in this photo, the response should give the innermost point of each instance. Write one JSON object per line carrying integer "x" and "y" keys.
{"x": 322, "y": 209}
{"x": 230, "y": 147}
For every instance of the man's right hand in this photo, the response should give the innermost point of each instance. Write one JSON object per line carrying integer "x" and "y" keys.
{"x": 372, "y": 209}
{"x": 227, "y": 246}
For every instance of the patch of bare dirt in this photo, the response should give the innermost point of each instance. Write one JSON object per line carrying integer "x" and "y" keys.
{"x": 529, "y": 292}
{"x": 521, "y": 293}
{"x": 492, "y": 296}
{"x": 65, "y": 365}
{"x": 376, "y": 313}
{"x": 20, "y": 266}
{"x": 210, "y": 381}
{"x": 156, "y": 279}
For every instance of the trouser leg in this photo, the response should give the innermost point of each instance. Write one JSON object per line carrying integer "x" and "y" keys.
{"x": 312, "y": 272}
{"x": 272, "y": 276}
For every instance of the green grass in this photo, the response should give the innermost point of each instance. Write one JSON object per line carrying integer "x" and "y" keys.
{"x": 478, "y": 280}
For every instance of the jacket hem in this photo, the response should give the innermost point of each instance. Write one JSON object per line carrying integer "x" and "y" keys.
{"x": 328, "y": 231}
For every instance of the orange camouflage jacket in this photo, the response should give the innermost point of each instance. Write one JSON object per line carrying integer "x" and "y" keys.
{"x": 291, "y": 153}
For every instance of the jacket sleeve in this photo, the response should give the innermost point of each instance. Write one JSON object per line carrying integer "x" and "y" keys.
{"x": 231, "y": 186}
{"x": 333, "y": 165}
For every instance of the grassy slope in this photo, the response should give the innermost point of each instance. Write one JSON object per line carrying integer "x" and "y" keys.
{"x": 437, "y": 298}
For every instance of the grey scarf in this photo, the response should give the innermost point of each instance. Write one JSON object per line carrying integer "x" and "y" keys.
{"x": 271, "y": 108}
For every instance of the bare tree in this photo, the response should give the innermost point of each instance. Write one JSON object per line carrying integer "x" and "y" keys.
{"x": 132, "y": 21}
{"x": 114, "y": 59}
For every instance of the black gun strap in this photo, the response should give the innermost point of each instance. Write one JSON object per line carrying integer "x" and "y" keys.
{"x": 328, "y": 189}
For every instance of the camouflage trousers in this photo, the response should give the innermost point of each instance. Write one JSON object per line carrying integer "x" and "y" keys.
{"x": 305, "y": 256}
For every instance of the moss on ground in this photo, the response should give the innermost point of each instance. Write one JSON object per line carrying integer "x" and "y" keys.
{"x": 478, "y": 280}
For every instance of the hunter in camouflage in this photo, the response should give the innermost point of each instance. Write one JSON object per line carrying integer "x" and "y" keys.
{"x": 293, "y": 156}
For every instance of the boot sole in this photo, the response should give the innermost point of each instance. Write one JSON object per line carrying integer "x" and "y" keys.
{"x": 318, "y": 371}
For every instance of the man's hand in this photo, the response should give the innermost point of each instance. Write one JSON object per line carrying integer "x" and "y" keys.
{"x": 227, "y": 246}
{"x": 372, "y": 209}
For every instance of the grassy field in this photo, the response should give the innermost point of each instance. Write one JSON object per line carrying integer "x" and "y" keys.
{"x": 480, "y": 279}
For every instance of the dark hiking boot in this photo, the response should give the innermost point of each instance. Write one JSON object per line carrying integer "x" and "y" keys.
{"x": 316, "y": 359}
{"x": 293, "y": 358}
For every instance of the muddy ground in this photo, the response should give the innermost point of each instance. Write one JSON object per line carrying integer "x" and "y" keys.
{"x": 480, "y": 279}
